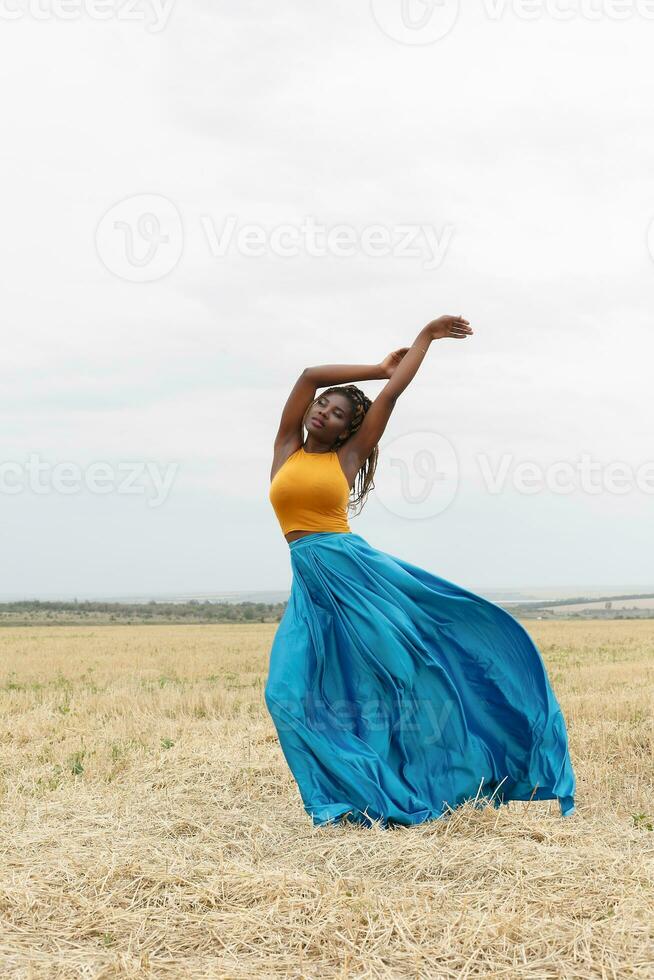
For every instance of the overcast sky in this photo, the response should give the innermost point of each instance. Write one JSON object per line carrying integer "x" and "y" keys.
{"x": 166, "y": 172}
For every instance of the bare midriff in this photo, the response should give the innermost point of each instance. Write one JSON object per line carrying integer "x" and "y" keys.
{"x": 293, "y": 535}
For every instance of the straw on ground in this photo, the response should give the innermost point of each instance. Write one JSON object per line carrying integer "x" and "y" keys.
{"x": 151, "y": 827}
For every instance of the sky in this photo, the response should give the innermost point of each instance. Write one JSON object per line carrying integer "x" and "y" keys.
{"x": 200, "y": 199}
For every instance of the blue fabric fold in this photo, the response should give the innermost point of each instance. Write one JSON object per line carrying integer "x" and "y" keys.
{"x": 397, "y": 695}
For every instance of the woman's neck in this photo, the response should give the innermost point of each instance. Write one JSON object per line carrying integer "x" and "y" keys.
{"x": 308, "y": 448}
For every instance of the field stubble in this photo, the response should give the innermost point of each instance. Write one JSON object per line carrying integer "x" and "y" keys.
{"x": 151, "y": 828}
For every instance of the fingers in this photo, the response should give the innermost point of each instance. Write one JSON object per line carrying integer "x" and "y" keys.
{"x": 459, "y": 327}
{"x": 459, "y": 330}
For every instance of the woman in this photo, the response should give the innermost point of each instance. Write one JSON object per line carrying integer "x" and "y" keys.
{"x": 396, "y": 695}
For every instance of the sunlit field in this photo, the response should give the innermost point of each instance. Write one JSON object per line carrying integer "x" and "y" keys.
{"x": 151, "y": 828}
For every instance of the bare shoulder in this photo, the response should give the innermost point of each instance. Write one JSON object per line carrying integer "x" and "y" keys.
{"x": 281, "y": 453}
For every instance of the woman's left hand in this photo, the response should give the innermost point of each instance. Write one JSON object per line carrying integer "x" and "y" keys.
{"x": 390, "y": 362}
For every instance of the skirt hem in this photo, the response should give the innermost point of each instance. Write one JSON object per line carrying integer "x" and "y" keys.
{"x": 329, "y": 814}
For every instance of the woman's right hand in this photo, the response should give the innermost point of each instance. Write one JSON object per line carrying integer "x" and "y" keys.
{"x": 449, "y": 326}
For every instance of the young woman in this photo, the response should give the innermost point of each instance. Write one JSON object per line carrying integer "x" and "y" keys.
{"x": 396, "y": 695}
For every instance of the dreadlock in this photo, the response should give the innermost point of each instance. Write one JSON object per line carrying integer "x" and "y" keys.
{"x": 360, "y": 405}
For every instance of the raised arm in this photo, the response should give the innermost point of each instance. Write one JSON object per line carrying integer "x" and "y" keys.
{"x": 304, "y": 392}
{"x": 359, "y": 446}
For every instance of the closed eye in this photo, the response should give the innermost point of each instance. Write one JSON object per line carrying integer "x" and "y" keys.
{"x": 340, "y": 413}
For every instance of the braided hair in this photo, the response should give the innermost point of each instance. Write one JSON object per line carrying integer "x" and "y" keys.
{"x": 360, "y": 404}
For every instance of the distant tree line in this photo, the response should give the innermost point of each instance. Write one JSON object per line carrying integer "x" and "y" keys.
{"x": 193, "y": 611}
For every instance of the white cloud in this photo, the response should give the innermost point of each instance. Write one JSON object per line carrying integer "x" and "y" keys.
{"x": 530, "y": 138}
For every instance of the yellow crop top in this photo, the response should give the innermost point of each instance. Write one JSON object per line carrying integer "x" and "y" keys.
{"x": 310, "y": 492}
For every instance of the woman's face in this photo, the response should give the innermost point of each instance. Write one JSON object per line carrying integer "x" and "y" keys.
{"x": 328, "y": 417}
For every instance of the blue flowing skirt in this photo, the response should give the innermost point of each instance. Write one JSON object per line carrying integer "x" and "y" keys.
{"x": 398, "y": 695}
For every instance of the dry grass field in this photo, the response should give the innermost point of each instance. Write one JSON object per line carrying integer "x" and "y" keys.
{"x": 150, "y": 826}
